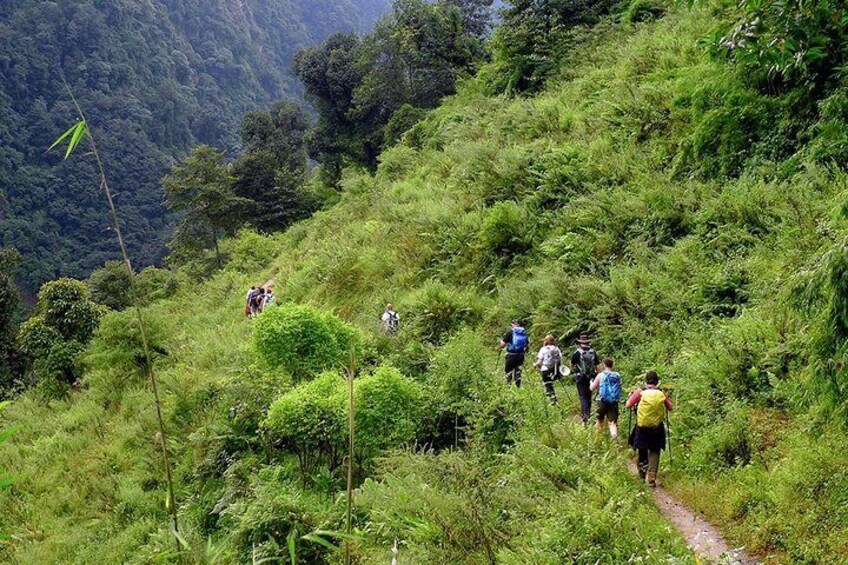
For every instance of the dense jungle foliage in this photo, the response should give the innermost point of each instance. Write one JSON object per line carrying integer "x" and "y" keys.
{"x": 157, "y": 77}
{"x": 662, "y": 180}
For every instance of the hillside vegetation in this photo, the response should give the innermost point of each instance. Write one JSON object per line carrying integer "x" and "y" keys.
{"x": 686, "y": 213}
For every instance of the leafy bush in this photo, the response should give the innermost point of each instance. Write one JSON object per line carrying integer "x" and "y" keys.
{"x": 643, "y": 11}
{"x": 51, "y": 341}
{"x": 302, "y": 340}
{"x": 310, "y": 421}
{"x": 110, "y": 286}
{"x": 389, "y": 408}
{"x": 117, "y": 347}
{"x": 505, "y": 234}
{"x": 440, "y": 310}
{"x": 66, "y": 307}
{"x": 791, "y": 43}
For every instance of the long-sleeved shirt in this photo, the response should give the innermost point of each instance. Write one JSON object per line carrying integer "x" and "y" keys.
{"x": 634, "y": 399}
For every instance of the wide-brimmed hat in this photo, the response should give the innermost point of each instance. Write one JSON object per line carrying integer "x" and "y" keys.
{"x": 584, "y": 339}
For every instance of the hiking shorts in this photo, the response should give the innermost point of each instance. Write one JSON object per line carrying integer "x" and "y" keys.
{"x": 608, "y": 410}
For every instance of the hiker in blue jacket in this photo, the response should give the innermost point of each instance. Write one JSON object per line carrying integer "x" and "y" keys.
{"x": 517, "y": 343}
{"x": 608, "y": 385}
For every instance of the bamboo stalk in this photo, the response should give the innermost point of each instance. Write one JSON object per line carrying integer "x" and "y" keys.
{"x": 351, "y": 369}
{"x": 148, "y": 362}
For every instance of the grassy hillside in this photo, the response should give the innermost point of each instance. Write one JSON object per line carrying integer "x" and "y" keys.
{"x": 647, "y": 195}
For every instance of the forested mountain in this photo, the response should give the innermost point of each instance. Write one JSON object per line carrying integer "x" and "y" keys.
{"x": 155, "y": 78}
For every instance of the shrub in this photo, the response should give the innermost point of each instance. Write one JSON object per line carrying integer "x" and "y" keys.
{"x": 389, "y": 408}
{"x": 66, "y": 307}
{"x": 51, "y": 342}
{"x": 643, "y": 11}
{"x": 302, "y": 340}
{"x": 111, "y": 286}
{"x": 310, "y": 421}
{"x": 153, "y": 283}
{"x": 440, "y": 310}
{"x": 504, "y": 234}
{"x": 117, "y": 345}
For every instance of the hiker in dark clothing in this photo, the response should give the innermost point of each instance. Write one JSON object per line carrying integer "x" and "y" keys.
{"x": 517, "y": 343}
{"x": 257, "y": 301}
{"x": 584, "y": 365}
{"x": 648, "y": 436}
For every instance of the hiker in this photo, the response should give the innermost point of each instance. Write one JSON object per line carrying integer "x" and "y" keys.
{"x": 248, "y": 298}
{"x": 390, "y": 320}
{"x": 517, "y": 343}
{"x": 269, "y": 300}
{"x": 648, "y": 436}
{"x": 548, "y": 361}
{"x": 608, "y": 385}
{"x": 251, "y": 299}
{"x": 584, "y": 364}
{"x": 256, "y": 302}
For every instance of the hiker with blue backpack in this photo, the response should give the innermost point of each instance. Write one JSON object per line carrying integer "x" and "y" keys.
{"x": 608, "y": 385}
{"x": 584, "y": 364}
{"x": 517, "y": 343}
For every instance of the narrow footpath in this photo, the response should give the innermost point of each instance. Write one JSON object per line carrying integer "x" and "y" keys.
{"x": 705, "y": 539}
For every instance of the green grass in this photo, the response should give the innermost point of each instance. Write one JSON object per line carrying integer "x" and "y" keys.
{"x": 648, "y": 195}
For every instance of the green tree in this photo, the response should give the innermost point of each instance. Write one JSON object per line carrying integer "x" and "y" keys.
{"x": 111, "y": 286}
{"x": 51, "y": 341}
{"x": 330, "y": 73}
{"x": 201, "y": 189}
{"x": 272, "y": 172}
{"x": 533, "y": 36}
{"x": 414, "y": 56}
{"x": 9, "y": 301}
{"x": 786, "y": 43}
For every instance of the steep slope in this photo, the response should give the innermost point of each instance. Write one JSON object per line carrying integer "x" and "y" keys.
{"x": 639, "y": 197}
{"x": 155, "y": 78}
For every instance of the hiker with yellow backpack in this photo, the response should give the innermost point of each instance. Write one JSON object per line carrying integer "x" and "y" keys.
{"x": 648, "y": 436}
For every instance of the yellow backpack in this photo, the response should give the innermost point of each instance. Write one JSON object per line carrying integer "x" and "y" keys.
{"x": 650, "y": 412}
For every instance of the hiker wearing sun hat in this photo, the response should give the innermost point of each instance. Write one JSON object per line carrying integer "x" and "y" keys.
{"x": 584, "y": 364}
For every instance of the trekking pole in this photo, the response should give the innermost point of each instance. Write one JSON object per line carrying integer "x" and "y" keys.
{"x": 668, "y": 439}
{"x": 498, "y": 362}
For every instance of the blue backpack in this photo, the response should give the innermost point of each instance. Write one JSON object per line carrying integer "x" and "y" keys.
{"x": 610, "y": 389}
{"x": 519, "y": 341}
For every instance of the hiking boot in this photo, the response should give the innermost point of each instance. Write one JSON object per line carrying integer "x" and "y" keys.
{"x": 652, "y": 479}
{"x": 642, "y": 473}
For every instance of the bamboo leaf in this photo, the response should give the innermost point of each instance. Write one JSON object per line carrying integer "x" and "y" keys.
{"x": 62, "y": 137}
{"x": 79, "y": 134}
{"x": 315, "y": 538}
{"x": 292, "y": 541}
{"x": 180, "y": 539}
{"x": 7, "y": 433}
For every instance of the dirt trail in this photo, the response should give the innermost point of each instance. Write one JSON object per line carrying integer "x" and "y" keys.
{"x": 704, "y": 538}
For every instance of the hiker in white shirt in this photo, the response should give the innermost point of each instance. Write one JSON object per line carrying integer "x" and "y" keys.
{"x": 548, "y": 361}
